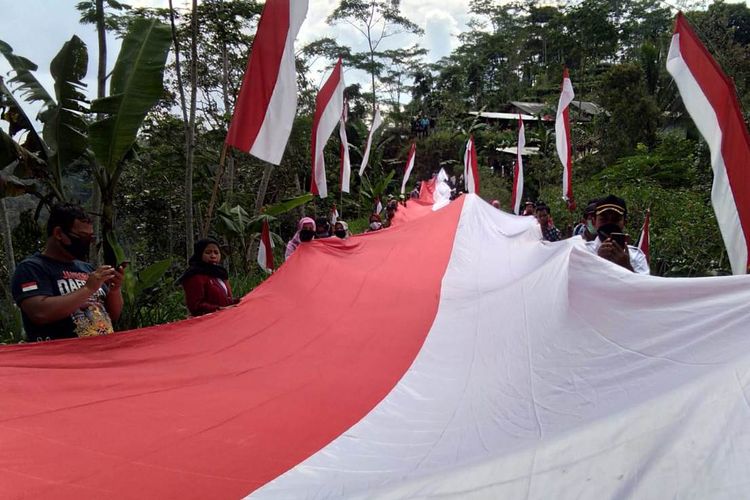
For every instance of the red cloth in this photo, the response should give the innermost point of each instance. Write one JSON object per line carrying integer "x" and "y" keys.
{"x": 205, "y": 294}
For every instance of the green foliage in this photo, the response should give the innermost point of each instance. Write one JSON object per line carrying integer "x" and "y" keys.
{"x": 135, "y": 86}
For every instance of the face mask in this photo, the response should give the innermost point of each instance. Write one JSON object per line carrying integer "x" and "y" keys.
{"x": 375, "y": 225}
{"x": 608, "y": 229}
{"x": 306, "y": 234}
{"x": 340, "y": 234}
{"x": 78, "y": 247}
{"x": 590, "y": 227}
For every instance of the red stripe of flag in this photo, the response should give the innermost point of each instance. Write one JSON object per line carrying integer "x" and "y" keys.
{"x": 690, "y": 63}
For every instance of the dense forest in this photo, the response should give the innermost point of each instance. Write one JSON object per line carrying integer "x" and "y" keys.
{"x": 144, "y": 155}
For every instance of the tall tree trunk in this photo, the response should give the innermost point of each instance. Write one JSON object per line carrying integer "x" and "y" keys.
{"x": 101, "y": 84}
{"x": 190, "y": 137}
{"x": 227, "y": 107}
{"x": 263, "y": 187}
{"x": 10, "y": 258}
{"x": 188, "y": 129}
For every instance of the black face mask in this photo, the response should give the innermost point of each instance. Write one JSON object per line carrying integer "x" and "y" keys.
{"x": 306, "y": 234}
{"x": 78, "y": 247}
{"x": 607, "y": 229}
{"x": 340, "y": 234}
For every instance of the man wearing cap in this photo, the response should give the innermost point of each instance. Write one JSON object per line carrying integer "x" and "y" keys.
{"x": 586, "y": 228}
{"x": 610, "y": 215}
{"x": 528, "y": 208}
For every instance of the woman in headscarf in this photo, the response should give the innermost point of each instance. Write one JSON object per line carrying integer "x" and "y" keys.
{"x": 206, "y": 281}
{"x": 341, "y": 230}
{"x": 305, "y": 232}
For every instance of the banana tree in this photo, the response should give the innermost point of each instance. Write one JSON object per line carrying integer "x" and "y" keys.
{"x": 235, "y": 224}
{"x": 136, "y": 85}
{"x": 63, "y": 139}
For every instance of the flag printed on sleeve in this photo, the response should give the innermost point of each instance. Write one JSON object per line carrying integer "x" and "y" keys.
{"x": 409, "y": 166}
{"x": 29, "y": 286}
{"x": 471, "y": 170}
{"x": 562, "y": 136}
{"x": 265, "y": 249}
{"x": 711, "y": 100}
{"x": 267, "y": 103}
{"x": 517, "y": 193}
{"x": 377, "y": 121}
{"x": 346, "y": 164}
{"x": 329, "y": 106}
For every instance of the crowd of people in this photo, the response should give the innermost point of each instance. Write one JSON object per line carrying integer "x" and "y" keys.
{"x": 61, "y": 295}
{"x": 601, "y": 226}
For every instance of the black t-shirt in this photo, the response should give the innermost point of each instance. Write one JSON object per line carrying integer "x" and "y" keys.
{"x": 41, "y": 275}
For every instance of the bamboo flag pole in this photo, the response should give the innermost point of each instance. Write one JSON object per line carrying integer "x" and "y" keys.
{"x": 215, "y": 191}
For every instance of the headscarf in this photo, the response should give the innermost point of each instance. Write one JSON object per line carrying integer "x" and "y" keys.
{"x": 295, "y": 241}
{"x": 197, "y": 266}
{"x": 345, "y": 226}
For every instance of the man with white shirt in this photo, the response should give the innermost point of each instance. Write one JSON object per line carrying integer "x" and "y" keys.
{"x": 611, "y": 242}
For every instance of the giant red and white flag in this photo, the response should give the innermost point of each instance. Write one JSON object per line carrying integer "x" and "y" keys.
{"x": 409, "y": 166}
{"x": 517, "y": 193}
{"x": 710, "y": 98}
{"x": 644, "y": 242}
{"x": 329, "y": 107}
{"x": 562, "y": 136}
{"x": 377, "y": 121}
{"x": 471, "y": 169}
{"x": 433, "y": 380}
{"x": 265, "y": 109}
{"x": 346, "y": 164}
{"x": 265, "y": 249}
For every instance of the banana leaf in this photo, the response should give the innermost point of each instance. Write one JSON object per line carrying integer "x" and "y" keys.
{"x": 10, "y": 185}
{"x": 135, "y": 86}
{"x": 65, "y": 130}
{"x": 31, "y": 89}
{"x": 287, "y": 205}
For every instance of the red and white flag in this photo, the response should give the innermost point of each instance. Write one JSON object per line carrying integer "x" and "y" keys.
{"x": 329, "y": 107}
{"x": 377, "y": 121}
{"x": 409, "y": 166}
{"x": 562, "y": 136}
{"x": 267, "y": 104}
{"x": 346, "y": 164}
{"x": 517, "y": 193}
{"x": 265, "y": 249}
{"x": 378, "y": 206}
{"x": 644, "y": 242}
{"x": 471, "y": 171}
{"x": 710, "y": 98}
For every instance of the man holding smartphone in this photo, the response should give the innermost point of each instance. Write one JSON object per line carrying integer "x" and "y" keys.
{"x": 611, "y": 242}
{"x": 59, "y": 293}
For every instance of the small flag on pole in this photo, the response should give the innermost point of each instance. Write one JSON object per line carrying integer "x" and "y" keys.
{"x": 644, "y": 242}
{"x": 346, "y": 164}
{"x": 334, "y": 215}
{"x": 378, "y": 206}
{"x": 267, "y": 103}
{"x": 377, "y": 121}
{"x": 265, "y": 249}
{"x": 710, "y": 98}
{"x": 329, "y": 106}
{"x": 517, "y": 193}
{"x": 471, "y": 170}
{"x": 562, "y": 138}
{"x": 409, "y": 166}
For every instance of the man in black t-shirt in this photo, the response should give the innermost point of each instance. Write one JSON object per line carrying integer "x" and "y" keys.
{"x": 61, "y": 295}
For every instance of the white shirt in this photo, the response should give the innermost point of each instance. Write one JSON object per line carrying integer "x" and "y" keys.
{"x": 637, "y": 257}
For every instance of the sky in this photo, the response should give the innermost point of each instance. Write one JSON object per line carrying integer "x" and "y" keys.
{"x": 37, "y": 29}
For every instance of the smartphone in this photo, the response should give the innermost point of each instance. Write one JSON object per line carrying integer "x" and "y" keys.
{"x": 620, "y": 239}
{"x": 123, "y": 265}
